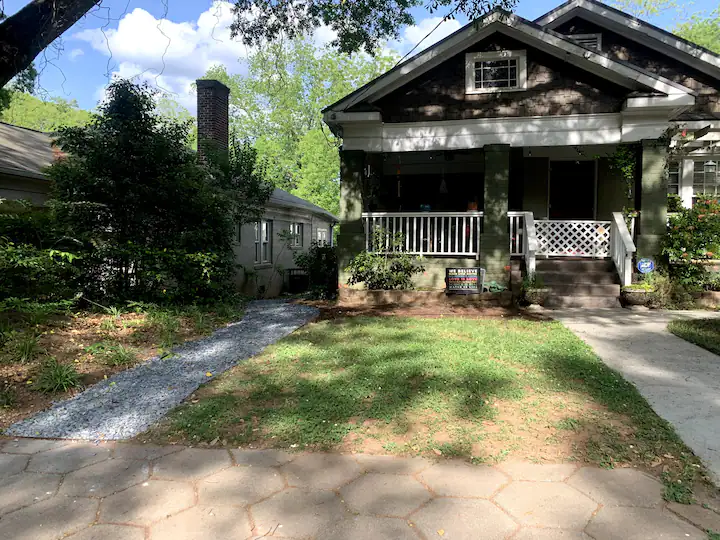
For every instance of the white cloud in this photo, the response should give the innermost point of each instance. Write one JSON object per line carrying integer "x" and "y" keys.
{"x": 75, "y": 53}
{"x": 167, "y": 54}
{"x": 425, "y": 33}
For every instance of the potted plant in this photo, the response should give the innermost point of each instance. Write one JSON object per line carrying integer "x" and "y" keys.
{"x": 637, "y": 294}
{"x": 534, "y": 291}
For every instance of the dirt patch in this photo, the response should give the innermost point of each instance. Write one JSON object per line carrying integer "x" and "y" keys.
{"x": 330, "y": 310}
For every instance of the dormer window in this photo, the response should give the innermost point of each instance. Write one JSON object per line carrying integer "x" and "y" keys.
{"x": 497, "y": 71}
{"x": 589, "y": 41}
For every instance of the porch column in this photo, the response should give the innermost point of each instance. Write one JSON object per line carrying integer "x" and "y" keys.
{"x": 495, "y": 246}
{"x": 351, "y": 238}
{"x": 653, "y": 198}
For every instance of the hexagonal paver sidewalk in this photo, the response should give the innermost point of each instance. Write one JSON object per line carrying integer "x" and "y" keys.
{"x": 51, "y": 490}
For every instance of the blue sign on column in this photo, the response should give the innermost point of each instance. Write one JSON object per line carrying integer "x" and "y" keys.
{"x": 645, "y": 266}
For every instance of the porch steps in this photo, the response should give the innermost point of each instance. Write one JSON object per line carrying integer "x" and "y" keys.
{"x": 587, "y": 283}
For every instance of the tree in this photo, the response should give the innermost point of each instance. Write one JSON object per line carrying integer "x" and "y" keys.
{"x": 151, "y": 221}
{"x": 644, "y": 8}
{"x": 31, "y": 112}
{"x": 26, "y": 80}
{"x": 278, "y": 106}
{"x": 359, "y": 24}
{"x": 702, "y": 29}
{"x": 28, "y": 32}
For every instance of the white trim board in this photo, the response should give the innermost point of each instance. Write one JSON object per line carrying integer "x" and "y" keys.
{"x": 498, "y": 21}
{"x": 635, "y": 30}
{"x": 571, "y": 130}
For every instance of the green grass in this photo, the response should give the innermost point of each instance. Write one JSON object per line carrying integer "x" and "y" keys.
{"x": 702, "y": 332}
{"x": 420, "y": 386}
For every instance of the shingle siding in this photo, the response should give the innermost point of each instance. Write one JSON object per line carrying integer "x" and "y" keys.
{"x": 554, "y": 88}
{"x": 620, "y": 47}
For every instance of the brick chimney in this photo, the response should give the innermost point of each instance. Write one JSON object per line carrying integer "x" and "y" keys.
{"x": 212, "y": 117}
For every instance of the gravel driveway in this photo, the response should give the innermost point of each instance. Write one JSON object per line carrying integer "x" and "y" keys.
{"x": 127, "y": 403}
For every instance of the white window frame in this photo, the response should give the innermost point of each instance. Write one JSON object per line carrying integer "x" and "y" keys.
{"x": 296, "y": 230}
{"x": 674, "y": 178}
{"x": 597, "y": 36}
{"x": 323, "y": 241}
{"x": 715, "y": 184}
{"x": 263, "y": 241}
{"x": 472, "y": 58}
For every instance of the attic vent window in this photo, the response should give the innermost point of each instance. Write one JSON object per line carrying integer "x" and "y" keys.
{"x": 589, "y": 41}
{"x": 497, "y": 71}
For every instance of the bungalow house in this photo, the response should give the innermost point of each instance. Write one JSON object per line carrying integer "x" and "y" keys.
{"x": 262, "y": 252}
{"x": 499, "y": 141}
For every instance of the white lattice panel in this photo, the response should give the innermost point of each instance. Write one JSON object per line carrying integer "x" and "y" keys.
{"x": 573, "y": 238}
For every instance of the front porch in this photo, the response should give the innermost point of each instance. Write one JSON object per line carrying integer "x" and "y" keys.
{"x": 482, "y": 207}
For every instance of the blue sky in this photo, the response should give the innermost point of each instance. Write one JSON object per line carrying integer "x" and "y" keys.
{"x": 195, "y": 33}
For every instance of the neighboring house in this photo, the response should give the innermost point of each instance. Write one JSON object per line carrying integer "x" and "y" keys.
{"x": 265, "y": 254}
{"x": 262, "y": 253}
{"x": 24, "y": 154}
{"x": 495, "y": 142}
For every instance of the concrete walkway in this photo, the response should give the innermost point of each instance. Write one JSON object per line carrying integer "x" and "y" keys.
{"x": 681, "y": 381}
{"x": 115, "y": 491}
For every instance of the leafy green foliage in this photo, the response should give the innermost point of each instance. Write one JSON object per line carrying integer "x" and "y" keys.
{"x": 321, "y": 264}
{"x": 26, "y": 110}
{"x": 359, "y": 25}
{"x": 55, "y": 377}
{"x": 21, "y": 347}
{"x": 8, "y": 395}
{"x": 644, "y": 8}
{"x": 624, "y": 163}
{"x": 702, "y": 29}
{"x": 149, "y": 221}
{"x": 385, "y": 268}
{"x": 112, "y": 354}
{"x": 278, "y": 106}
{"x": 674, "y": 203}
{"x": 693, "y": 236}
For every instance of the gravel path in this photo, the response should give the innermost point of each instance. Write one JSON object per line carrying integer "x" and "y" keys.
{"x": 127, "y": 403}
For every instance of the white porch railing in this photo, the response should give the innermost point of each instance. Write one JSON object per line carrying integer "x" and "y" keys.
{"x": 622, "y": 248}
{"x": 570, "y": 238}
{"x": 530, "y": 243}
{"x": 450, "y": 234}
{"x": 517, "y": 232}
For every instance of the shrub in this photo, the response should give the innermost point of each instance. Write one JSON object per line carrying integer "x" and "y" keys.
{"x": 385, "y": 268}
{"x": 321, "y": 264}
{"x": 693, "y": 236}
{"x": 119, "y": 355}
{"x": 21, "y": 347}
{"x": 674, "y": 203}
{"x": 8, "y": 395}
{"x": 668, "y": 293}
{"x": 56, "y": 377}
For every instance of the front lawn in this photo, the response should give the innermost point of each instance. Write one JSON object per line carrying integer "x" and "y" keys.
{"x": 702, "y": 332}
{"x": 486, "y": 390}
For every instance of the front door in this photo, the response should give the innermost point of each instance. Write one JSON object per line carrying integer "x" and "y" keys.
{"x": 572, "y": 190}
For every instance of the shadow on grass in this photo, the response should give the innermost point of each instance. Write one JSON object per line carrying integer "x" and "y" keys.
{"x": 337, "y": 377}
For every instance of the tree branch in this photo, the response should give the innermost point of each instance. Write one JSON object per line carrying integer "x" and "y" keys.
{"x": 26, "y": 33}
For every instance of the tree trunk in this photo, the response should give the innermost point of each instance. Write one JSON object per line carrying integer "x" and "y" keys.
{"x": 25, "y": 34}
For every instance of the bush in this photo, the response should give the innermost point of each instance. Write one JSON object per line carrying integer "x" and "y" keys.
{"x": 668, "y": 293}
{"x": 321, "y": 264}
{"x": 56, "y": 377}
{"x": 21, "y": 347}
{"x": 693, "y": 237}
{"x": 388, "y": 269}
{"x": 674, "y": 203}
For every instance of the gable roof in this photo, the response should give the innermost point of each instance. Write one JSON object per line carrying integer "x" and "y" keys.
{"x": 282, "y": 198}
{"x": 498, "y": 20}
{"x": 24, "y": 152}
{"x": 635, "y": 29}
